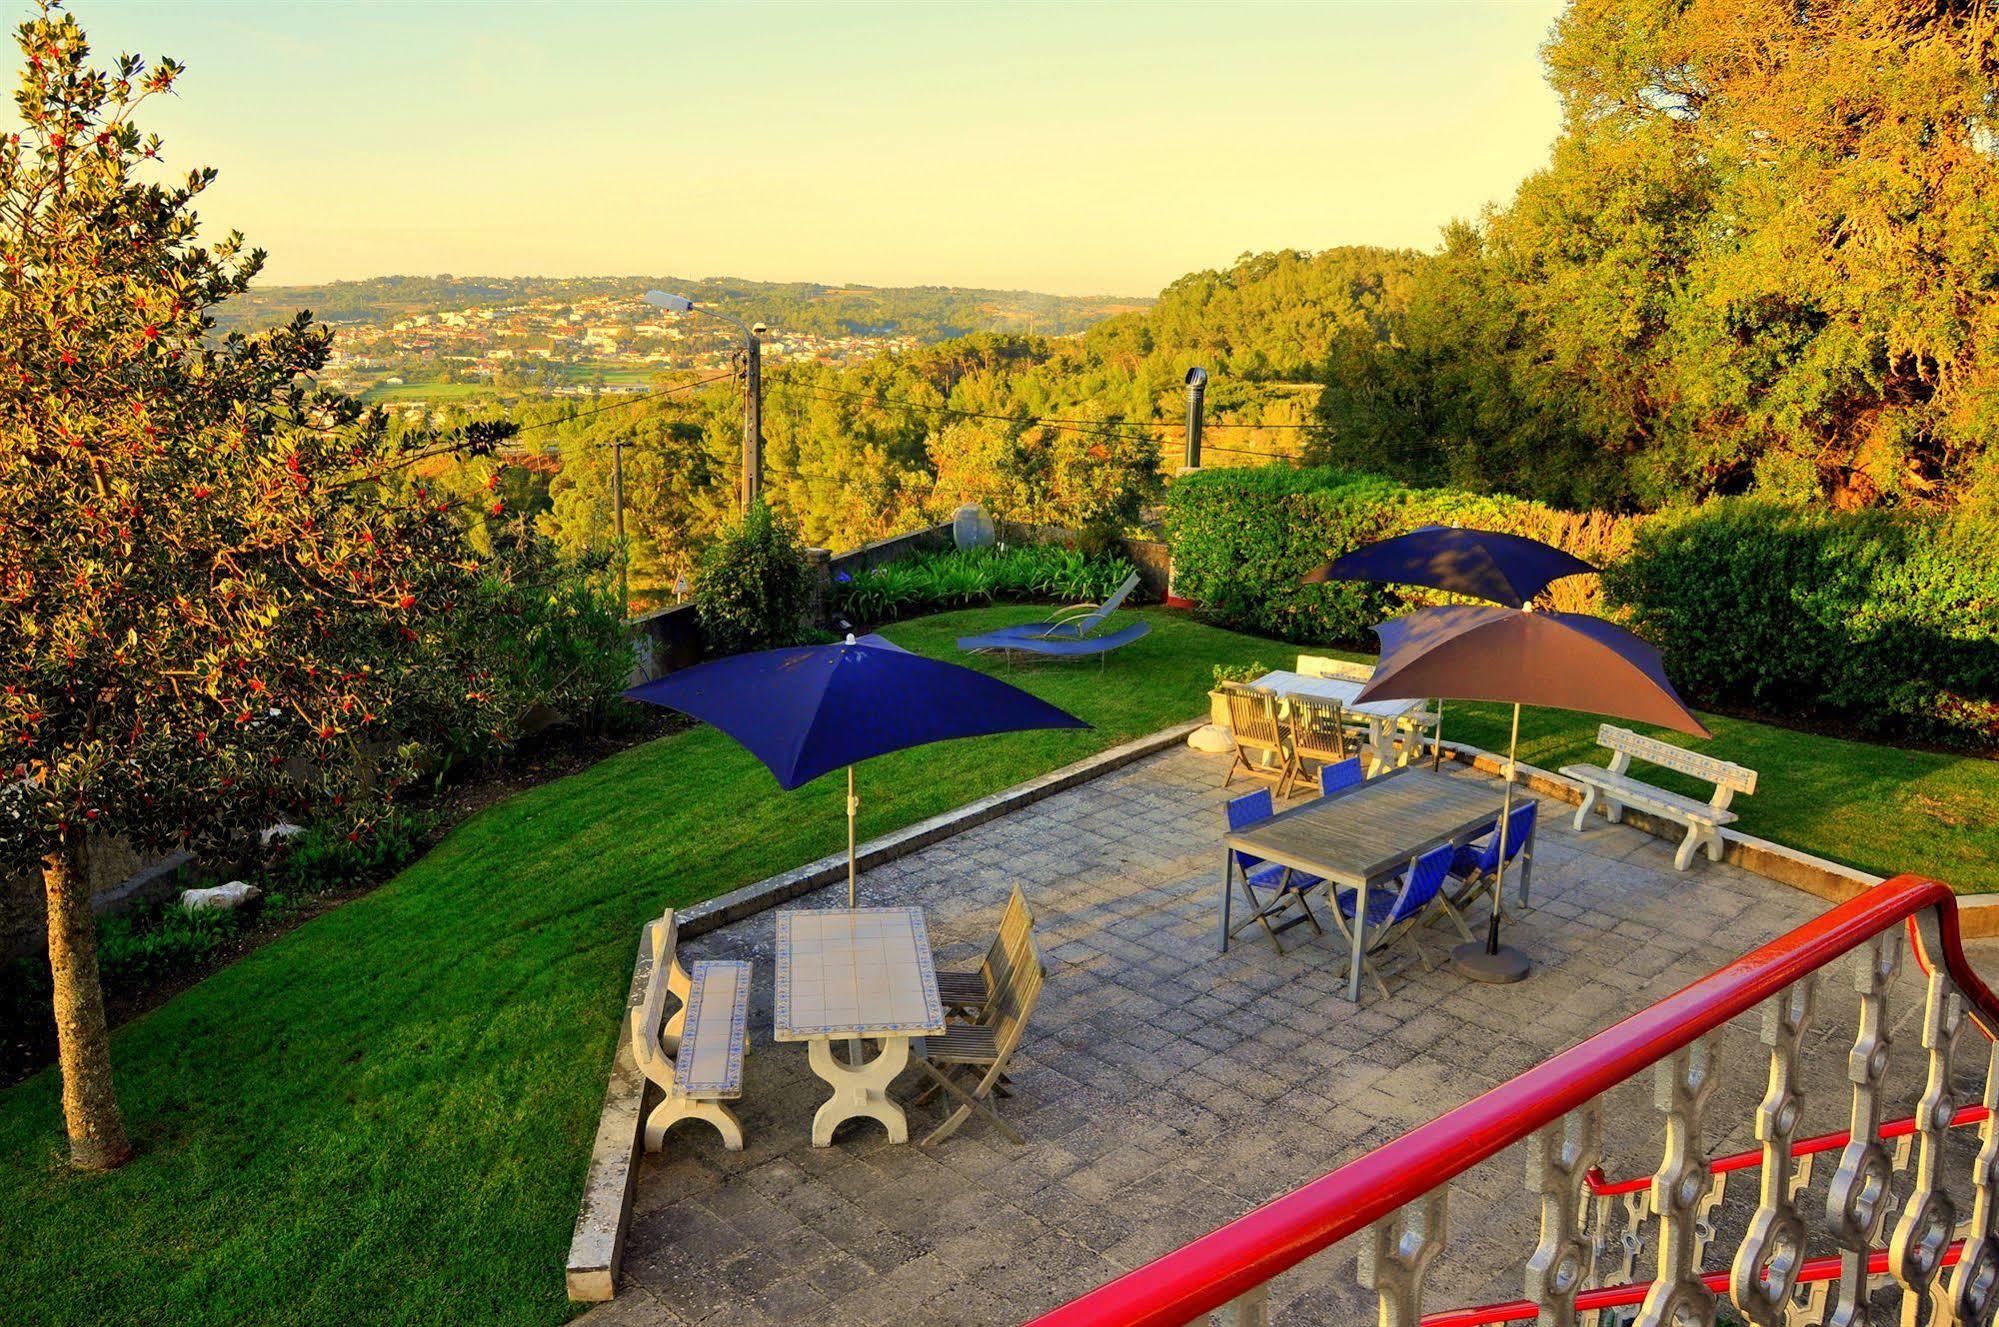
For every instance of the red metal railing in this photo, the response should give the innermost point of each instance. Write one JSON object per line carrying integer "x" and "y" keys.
{"x": 1600, "y": 1187}
{"x": 1235, "y": 1260}
{"x": 1624, "y": 1296}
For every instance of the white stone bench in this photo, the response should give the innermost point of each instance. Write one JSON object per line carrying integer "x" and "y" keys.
{"x": 1616, "y": 789}
{"x": 696, "y": 1056}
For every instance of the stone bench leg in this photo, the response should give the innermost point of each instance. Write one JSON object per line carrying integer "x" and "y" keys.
{"x": 1695, "y": 833}
{"x": 675, "y": 1109}
{"x": 1582, "y": 812}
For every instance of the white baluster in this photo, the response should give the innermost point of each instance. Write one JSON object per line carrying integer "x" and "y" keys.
{"x": 1858, "y": 1198}
{"x": 1929, "y": 1219}
{"x": 1766, "y": 1266}
{"x": 1395, "y": 1255}
{"x": 1560, "y": 1265}
{"x": 1684, "y": 1082}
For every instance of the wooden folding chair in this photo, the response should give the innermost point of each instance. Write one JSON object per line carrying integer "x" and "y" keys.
{"x": 987, "y": 1045}
{"x": 966, "y": 994}
{"x": 1318, "y": 733}
{"x": 1260, "y": 747}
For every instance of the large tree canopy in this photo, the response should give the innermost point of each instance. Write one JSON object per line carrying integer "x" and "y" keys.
{"x": 218, "y": 595}
{"x": 1764, "y": 254}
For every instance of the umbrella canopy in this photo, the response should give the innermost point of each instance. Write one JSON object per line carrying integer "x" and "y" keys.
{"x": 1563, "y": 661}
{"x": 1507, "y": 569}
{"x": 814, "y": 708}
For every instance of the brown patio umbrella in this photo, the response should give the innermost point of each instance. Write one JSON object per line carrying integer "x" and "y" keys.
{"x": 1563, "y": 661}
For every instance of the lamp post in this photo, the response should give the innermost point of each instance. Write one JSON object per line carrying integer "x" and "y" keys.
{"x": 753, "y": 387}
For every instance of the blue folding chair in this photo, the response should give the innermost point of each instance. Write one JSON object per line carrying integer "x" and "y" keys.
{"x": 1475, "y": 864}
{"x": 1270, "y": 889}
{"x": 1340, "y": 776}
{"x": 1393, "y": 917}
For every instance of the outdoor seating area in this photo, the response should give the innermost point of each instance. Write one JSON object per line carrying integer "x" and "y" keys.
{"x": 1163, "y": 1084}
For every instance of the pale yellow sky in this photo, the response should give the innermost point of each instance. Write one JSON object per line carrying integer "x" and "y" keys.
{"x": 1076, "y": 149}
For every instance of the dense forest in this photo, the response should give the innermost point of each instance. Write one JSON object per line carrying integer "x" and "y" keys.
{"x": 928, "y": 313}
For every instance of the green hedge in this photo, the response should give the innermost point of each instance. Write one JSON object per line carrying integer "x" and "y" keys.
{"x": 1244, "y": 538}
{"x": 931, "y": 582}
{"x": 1890, "y": 620}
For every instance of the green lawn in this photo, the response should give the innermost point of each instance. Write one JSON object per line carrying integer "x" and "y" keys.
{"x": 384, "y": 1116}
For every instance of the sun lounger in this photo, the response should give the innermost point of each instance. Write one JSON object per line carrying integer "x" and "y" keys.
{"x": 1076, "y": 623}
{"x": 1055, "y": 649}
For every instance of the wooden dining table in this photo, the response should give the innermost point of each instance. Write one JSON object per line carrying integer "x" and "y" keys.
{"x": 1366, "y": 835}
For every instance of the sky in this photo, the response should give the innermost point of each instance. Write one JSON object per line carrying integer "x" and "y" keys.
{"x": 1072, "y": 148}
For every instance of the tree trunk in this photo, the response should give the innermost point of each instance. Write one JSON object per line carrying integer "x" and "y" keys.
{"x": 90, "y": 1107}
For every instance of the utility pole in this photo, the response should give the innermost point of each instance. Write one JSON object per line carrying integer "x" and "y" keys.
{"x": 753, "y": 416}
{"x": 618, "y": 505}
{"x": 753, "y": 388}
{"x": 1197, "y": 390}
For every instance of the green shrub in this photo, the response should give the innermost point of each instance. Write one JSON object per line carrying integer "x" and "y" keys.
{"x": 752, "y": 590}
{"x": 343, "y": 851}
{"x": 1248, "y": 672}
{"x": 1243, "y": 540}
{"x": 1890, "y": 620}
{"x": 159, "y": 940}
{"x": 930, "y": 582}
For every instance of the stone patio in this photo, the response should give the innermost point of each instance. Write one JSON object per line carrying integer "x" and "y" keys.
{"x": 1165, "y": 1087}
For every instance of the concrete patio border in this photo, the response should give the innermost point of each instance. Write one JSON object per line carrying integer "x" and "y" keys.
{"x": 598, "y": 1243}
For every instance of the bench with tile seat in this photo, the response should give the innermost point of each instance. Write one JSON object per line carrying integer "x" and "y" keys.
{"x": 696, "y": 1056}
{"x": 1616, "y": 789}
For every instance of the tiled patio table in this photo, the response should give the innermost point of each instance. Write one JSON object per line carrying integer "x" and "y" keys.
{"x": 856, "y": 973}
{"x": 1362, "y": 837}
{"x": 1381, "y": 715}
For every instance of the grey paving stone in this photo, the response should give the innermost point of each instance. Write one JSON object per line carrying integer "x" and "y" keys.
{"x": 1165, "y": 1087}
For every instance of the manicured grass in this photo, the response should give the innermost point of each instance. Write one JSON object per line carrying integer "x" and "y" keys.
{"x": 384, "y": 1117}
{"x": 1879, "y": 808}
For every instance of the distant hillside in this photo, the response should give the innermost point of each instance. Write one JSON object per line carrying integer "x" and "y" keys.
{"x": 928, "y": 313}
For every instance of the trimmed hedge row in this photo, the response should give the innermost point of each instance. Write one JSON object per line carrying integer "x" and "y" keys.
{"x": 1243, "y": 538}
{"x": 931, "y": 582}
{"x": 1886, "y": 620}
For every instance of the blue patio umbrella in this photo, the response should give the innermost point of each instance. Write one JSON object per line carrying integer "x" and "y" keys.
{"x": 811, "y": 709}
{"x": 1564, "y": 661}
{"x": 1507, "y": 569}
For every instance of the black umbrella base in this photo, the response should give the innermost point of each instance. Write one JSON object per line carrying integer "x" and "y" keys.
{"x": 1506, "y": 966}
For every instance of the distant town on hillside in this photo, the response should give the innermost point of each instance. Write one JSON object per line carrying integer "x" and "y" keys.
{"x": 432, "y": 340}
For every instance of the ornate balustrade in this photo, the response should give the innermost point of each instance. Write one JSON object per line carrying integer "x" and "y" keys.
{"x": 1903, "y": 1212}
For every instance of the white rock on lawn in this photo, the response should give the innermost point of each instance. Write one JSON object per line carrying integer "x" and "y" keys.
{"x": 222, "y": 898}
{"x": 1211, "y": 738}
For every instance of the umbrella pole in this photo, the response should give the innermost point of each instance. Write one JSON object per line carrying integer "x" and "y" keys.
{"x": 1492, "y": 961}
{"x": 853, "y": 809}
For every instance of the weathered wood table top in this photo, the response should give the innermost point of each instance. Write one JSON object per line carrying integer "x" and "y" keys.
{"x": 1372, "y": 831}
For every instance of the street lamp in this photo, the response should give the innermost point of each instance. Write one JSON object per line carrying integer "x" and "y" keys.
{"x": 753, "y": 386}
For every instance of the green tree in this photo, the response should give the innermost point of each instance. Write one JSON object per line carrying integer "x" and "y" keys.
{"x": 206, "y": 609}
{"x": 1764, "y": 255}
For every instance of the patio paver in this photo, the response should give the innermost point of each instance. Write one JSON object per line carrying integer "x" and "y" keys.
{"x": 1165, "y": 1087}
